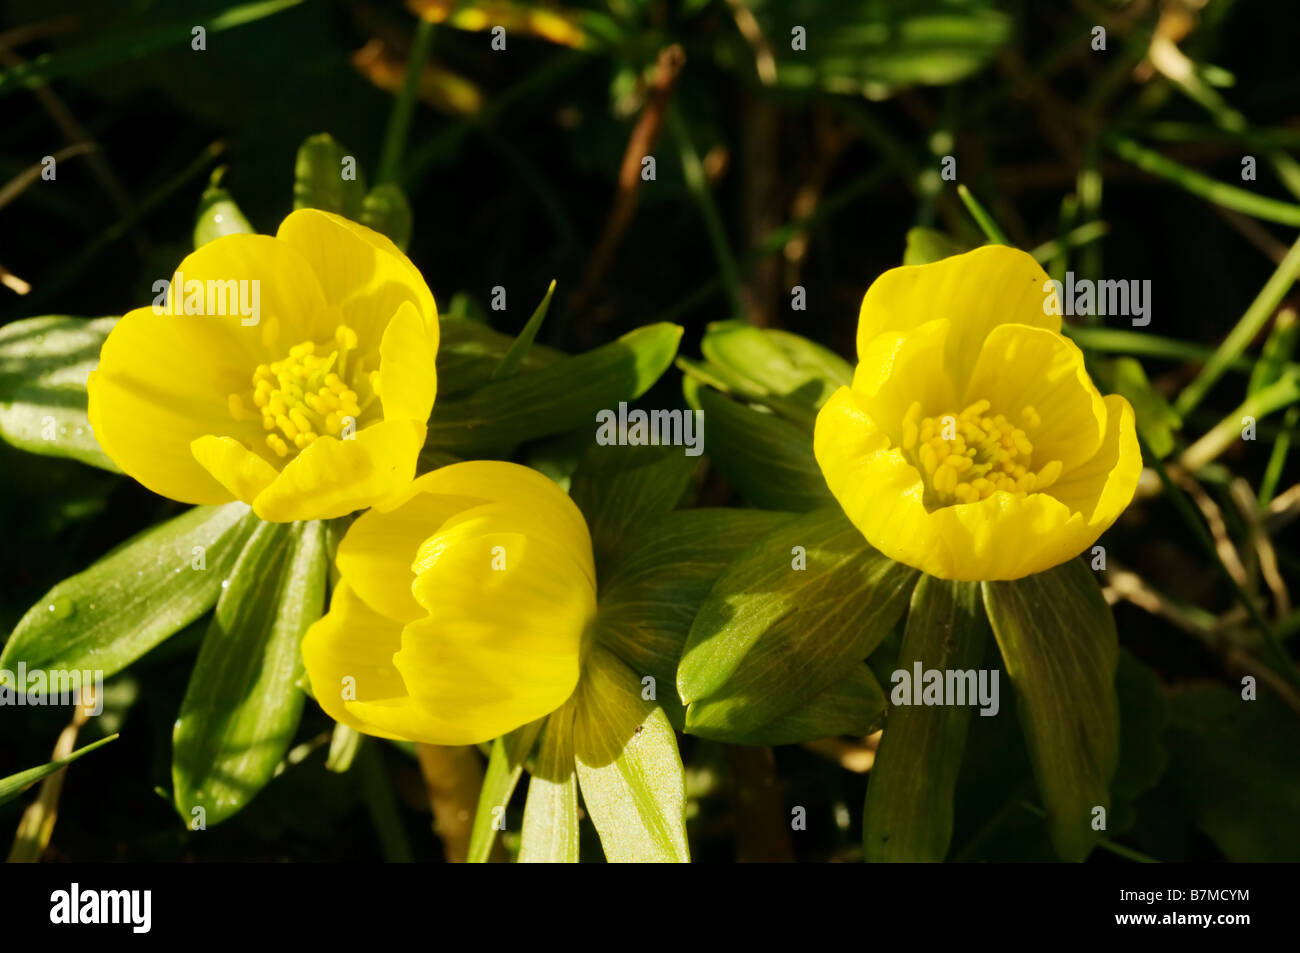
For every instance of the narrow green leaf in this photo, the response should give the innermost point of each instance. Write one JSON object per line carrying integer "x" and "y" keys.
{"x": 768, "y": 459}
{"x": 147, "y": 589}
{"x": 16, "y": 784}
{"x": 1276, "y": 353}
{"x": 987, "y": 225}
{"x": 652, "y": 587}
{"x": 1220, "y": 193}
{"x": 505, "y": 765}
{"x": 131, "y": 44}
{"x": 44, "y": 363}
{"x": 771, "y": 634}
{"x": 469, "y": 351}
{"x": 618, "y": 486}
{"x": 550, "y": 833}
{"x": 909, "y": 811}
{"x": 1058, "y": 642}
{"x": 514, "y": 357}
{"x": 328, "y": 177}
{"x": 631, "y": 775}
{"x": 243, "y": 704}
{"x": 218, "y": 215}
{"x": 387, "y": 211}
{"x": 562, "y": 396}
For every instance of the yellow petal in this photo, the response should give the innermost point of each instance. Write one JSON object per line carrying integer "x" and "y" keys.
{"x": 976, "y": 292}
{"x": 536, "y": 505}
{"x": 364, "y": 275}
{"x": 1103, "y": 486}
{"x": 407, "y": 376}
{"x": 376, "y": 554}
{"x": 1020, "y": 367}
{"x": 291, "y": 305}
{"x": 348, "y": 654}
{"x": 237, "y": 468}
{"x": 1002, "y": 537}
{"x": 163, "y": 382}
{"x": 503, "y": 643}
{"x": 899, "y": 369}
{"x": 333, "y": 477}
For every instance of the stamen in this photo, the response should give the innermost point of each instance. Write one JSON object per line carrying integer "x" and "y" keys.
{"x": 307, "y": 393}
{"x": 968, "y": 457}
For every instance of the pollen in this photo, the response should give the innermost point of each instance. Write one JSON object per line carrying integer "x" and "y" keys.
{"x": 967, "y": 457}
{"x": 315, "y": 390}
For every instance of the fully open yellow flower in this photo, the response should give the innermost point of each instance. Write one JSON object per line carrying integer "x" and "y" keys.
{"x": 462, "y": 611}
{"x": 294, "y": 372}
{"x": 972, "y": 444}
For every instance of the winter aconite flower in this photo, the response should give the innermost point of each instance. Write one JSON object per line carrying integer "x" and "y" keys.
{"x": 294, "y": 372}
{"x": 462, "y": 608}
{"x": 972, "y": 444}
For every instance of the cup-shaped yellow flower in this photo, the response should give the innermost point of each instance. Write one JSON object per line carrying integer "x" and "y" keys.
{"x": 294, "y": 372}
{"x": 972, "y": 444}
{"x": 462, "y": 611}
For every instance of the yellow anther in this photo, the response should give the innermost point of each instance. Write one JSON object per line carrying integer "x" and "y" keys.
{"x": 345, "y": 337}
{"x": 967, "y": 457}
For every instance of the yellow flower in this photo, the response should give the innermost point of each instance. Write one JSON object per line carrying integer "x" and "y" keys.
{"x": 462, "y": 610}
{"x": 972, "y": 444}
{"x": 294, "y": 372}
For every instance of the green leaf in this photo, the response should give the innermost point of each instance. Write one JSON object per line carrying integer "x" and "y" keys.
{"x": 618, "y": 486}
{"x": 218, "y": 215}
{"x": 1277, "y": 352}
{"x": 387, "y": 211}
{"x": 909, "y": 811}
{"x": 1058, "y": 642}
{"x": 44, "y": 363}
{"x": 469, "y": 351}
{"x": 505, "y": 765}
{"x": 631, "y": 775}
{"x": 562, "y": 396}
{"x": 243, "y": 704}
{"x": 16, "y": 784}
{"x": 1233, "y": 768}
{"x": 875, "y": 46}
{"x": 788, "y": 366}
{"x": 1157, "y": 421}
{"x": 550, "y": 832}
{"x": 768, "y": 459}
{"x": 1143, "y": 718}
{"x": 127, "y": 45}
{"x": 854, "y": 705}
{"x": 514, "y": 357}
{"x": 770, "y": 636}
{"x": 651, "y": 589}
{"x": 135, "y": 597}
{"x": 925, "y": 245}
{"x": 318, "y": 178}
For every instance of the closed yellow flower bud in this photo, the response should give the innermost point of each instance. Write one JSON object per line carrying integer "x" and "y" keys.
{"x": 462, "y": 611}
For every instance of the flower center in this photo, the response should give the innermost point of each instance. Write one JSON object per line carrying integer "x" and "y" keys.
{"x": 309, "y": 393}
{"x": 967, "y": 457}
